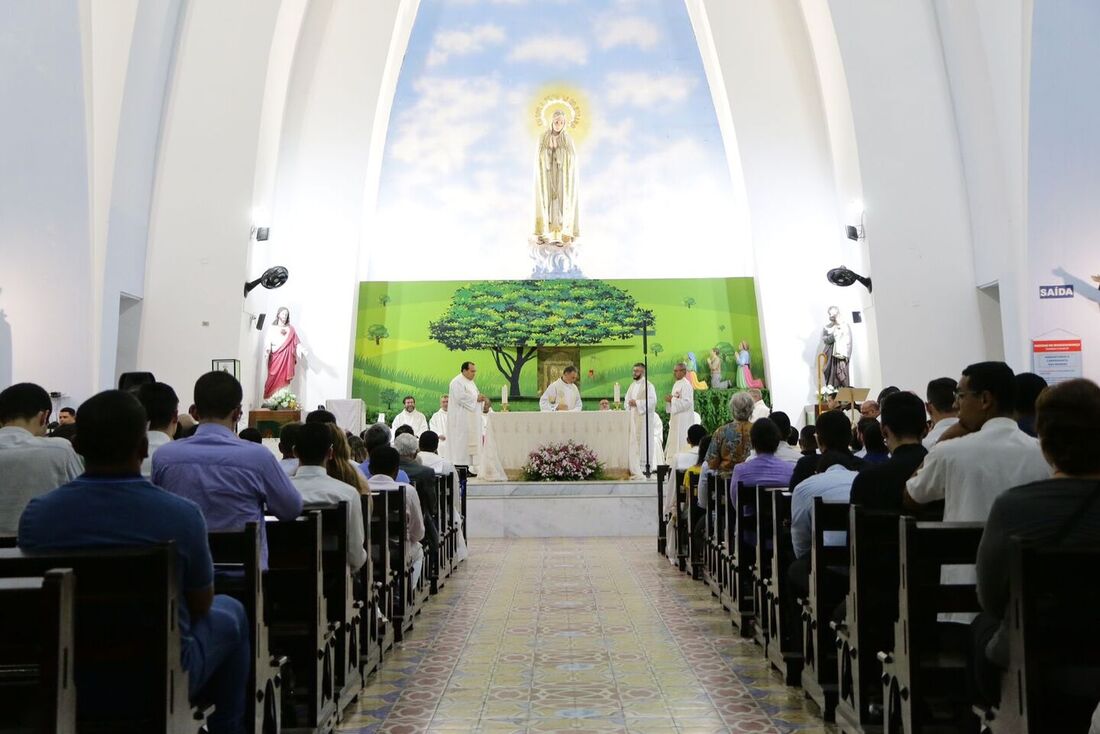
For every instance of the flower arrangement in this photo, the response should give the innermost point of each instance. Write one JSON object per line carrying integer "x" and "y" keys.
{"x": 827, "y": 392}
{"x": 569, "y": 461}
{"x": 283, "y": 399}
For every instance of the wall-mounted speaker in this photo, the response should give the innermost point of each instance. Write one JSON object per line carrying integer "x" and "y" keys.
{"x": 857, "y": 317}
{"x": 260, "y": 322}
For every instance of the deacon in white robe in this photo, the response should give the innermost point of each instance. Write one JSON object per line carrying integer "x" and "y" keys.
{"x": 639, "y": 396}
{"x": 681, "y": 412}
{"x": 562, "y": 393}
{"x": 410, "y": 416}
{"x": 438, "y": 424}
{"x": 464, "y": 417}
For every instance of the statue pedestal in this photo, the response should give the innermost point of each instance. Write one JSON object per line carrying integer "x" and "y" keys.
{"x": 553, "y": 260}
{"x": 270, "y": 422}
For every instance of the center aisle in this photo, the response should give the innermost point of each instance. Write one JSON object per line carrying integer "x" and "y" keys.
{"x": 589, "y": 634}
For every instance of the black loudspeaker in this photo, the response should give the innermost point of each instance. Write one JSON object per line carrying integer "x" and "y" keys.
{"x": 857, "y": 317}
{"x": 134, "y": 380}
{"x": 260, "y": 322}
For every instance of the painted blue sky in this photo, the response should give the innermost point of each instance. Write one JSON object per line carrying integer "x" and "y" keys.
{"x": 458, "y": 170}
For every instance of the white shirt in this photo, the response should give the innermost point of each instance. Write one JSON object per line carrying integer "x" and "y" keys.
{"x": 436, "y": 463}
{"x": 414, "y": 516}
{"x": 560, "y": 392}
{"x": 937, "y": 431}
{"x": 438, "y": 424}
{"x": 317, "y": 487}
{"x": 415, "y": 419}
{"x": 30, "y": 466}
{"x": 832, "y": 485}
{"x": 760, "y": 410}
{"x": 289, "y": 465}
{"x": 788, "y": 453}
{"x": 969, "y": 473}
{"x": 638, "y": 391}
{"x": 156, "y": 440}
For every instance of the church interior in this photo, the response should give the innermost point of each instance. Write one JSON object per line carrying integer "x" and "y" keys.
{"x": 549, "y": 365}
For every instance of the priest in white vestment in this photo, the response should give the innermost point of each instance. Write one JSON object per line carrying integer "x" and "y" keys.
{"x": 464, "y": 418}
{"x": 640, "y": 398}
{"x": 562, "y": 393}
{"x": 681, "y": 412}
{"x": 438, "y": 423}
{"x": 412, "y": 417}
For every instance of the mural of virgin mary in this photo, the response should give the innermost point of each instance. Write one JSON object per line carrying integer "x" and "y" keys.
{"x": 282, "y": 351}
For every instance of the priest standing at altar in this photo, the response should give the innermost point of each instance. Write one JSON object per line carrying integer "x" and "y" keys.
{"x": 562, "y": 393}
{"x": 641, "y": 398}
{"x": 464, "y": 417}
{"x": 681, "y": 412}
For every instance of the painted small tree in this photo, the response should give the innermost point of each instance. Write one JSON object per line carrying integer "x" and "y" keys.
{"x": 378, "y": 332}
{"x": 512, "y": 319}
{"x": 388, "y": 396}
{"x": 656, "y": 349}
{"x": 689, "y": 301}
{"x": 384, "y": 299}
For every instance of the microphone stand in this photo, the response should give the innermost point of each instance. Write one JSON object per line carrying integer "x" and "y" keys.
{"x": 645, "y": 387}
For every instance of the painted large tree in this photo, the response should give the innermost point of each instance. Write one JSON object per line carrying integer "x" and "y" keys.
{"x": 512, "y": 318}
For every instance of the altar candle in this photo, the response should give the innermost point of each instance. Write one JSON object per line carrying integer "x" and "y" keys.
{"x": 616, "y": 392}
{"x": 504, "y": 395}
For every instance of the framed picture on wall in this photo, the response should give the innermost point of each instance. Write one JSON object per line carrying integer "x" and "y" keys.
{"x": 232, "y": 366}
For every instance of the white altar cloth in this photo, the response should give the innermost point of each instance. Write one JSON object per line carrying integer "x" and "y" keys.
{"x": 511, "y": 437}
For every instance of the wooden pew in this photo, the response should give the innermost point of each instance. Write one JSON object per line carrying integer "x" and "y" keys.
{"x": 298, "y": 621}
{"x": 784, "y": 650}
{"x": 729, "y": 544}
{"x": 720, "y": 484}
{"x": 871, "y": 608}
{"x": 663, "y": 471}
{"x": 382, "y": 582}
{"x": 450, "y": 520}
{"x": 827, "y": 590}
{"x": 696, "y": 546}
{"x": 743, "y": 560}
{"x": 126, "y": 658}
{"x": 37, "y": 694}
{"x": 343, "y": 608}
{"x": 409, "y": 596}
{"x": 236, "y": 557}
{"x": 682, "y": 539}
{"x": 1053, "y": 680}
{"x": 924, "y": 680}
{"x": 463, "y": 477}
{"x": 711, "y": 536}
{"x": 762, "y": 567}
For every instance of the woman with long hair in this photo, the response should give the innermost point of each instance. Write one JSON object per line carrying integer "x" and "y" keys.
{"x": 341, "y": 466}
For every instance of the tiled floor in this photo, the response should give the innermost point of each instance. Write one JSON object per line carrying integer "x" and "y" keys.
{"x": 594, "y": 634}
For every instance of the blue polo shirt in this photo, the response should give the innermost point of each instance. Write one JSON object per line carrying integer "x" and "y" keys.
{"x": 96, "y": 512}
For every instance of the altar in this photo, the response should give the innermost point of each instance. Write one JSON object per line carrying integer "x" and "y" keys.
{"x": 511, "y": 437}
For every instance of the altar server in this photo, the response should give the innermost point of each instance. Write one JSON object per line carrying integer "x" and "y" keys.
{"x": 464, "y": 417}
{"x": 640, "y": 398}
{"x": 411, "y": 417}
{"x": 438, "y": 424}
{"x": 562, "y": 393}
{"x": 681, "y": 412}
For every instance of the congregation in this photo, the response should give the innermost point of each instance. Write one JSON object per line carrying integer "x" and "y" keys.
{"x": 1002, "y": 456}
{"x": 138, "y": 472}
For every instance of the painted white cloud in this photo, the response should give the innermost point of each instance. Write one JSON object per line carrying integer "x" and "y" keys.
{"x": 553, "y": 50}
{"x": 463, "y": 42}
{"x": 638, "y": 89}
{"x": 628, "y": 31}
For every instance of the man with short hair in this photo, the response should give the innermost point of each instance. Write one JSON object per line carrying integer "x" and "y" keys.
{"x": 833, "y": 435}
{"x": 384, "y": 462}
{"x": 112, "y": 505}
{"x": 288, "y": 434}
{"x": 869, "y": 409}
{"x": 411, "y": 417}
{"x": 438, "y": 424}
{"x": 464, "y": 422}
{"x": 162, "y": 408}
{"x": 313, "y": 446}
{"x": 320, "y": 415}
{"x": 940, "y": 404}
{"x": 764, "y": 468}
{"x": 377, "y": 436}
{"x": 605, "y": 404}
{"x": 30, "y": 463}
{"x": 641, "y": 398}
{"x": 562, "y": 394}
{"x": 832, "y": 480}
{"x": 882, "y": 486}
{"x": 760, "y": 409}
{"x": 66, "y": 416}
{"x": 1029, "y": 386}
{"x": 423, "y": 478}
{"x": 681, "y": 412}
{"x": 786, "y": 451}
{"x": 233, "y": 482}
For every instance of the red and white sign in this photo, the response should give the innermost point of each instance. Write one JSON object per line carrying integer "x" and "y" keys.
{"x": 1056, "y": 360}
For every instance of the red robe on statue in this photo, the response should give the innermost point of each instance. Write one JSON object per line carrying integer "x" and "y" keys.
{"x": 282, "y": 363}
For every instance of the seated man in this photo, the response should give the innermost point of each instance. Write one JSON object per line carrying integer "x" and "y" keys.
{"x": 30, "y": 463}
{"x": 233, "y": 482}
{"x": 411, "y": 417}
{"x": 760, "y": 409}
{"x": 375, "y": 437}
{"x": 1064, "y": 510}
{"x": 787, "y": 451}
{"x": 313, "y": 445}
{"x": 288, "y": 433}
{"x": 423, "y": 478}
{"x": 112, "y": 505}
{"x": 162, "y": 408}
{"x": 383, "y": 464}
{"x": 764, "y": 468}
{"x": 831, "y": 435}
{"x": 832, "y": 483}
{"x": 428, "y": 456}
{"x": 882, "y": 486}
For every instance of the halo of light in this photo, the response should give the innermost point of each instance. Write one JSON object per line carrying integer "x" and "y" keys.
{"x": 569, "y": 100}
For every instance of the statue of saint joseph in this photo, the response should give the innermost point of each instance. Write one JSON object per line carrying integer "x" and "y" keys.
{"x": 557, "y": 219}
